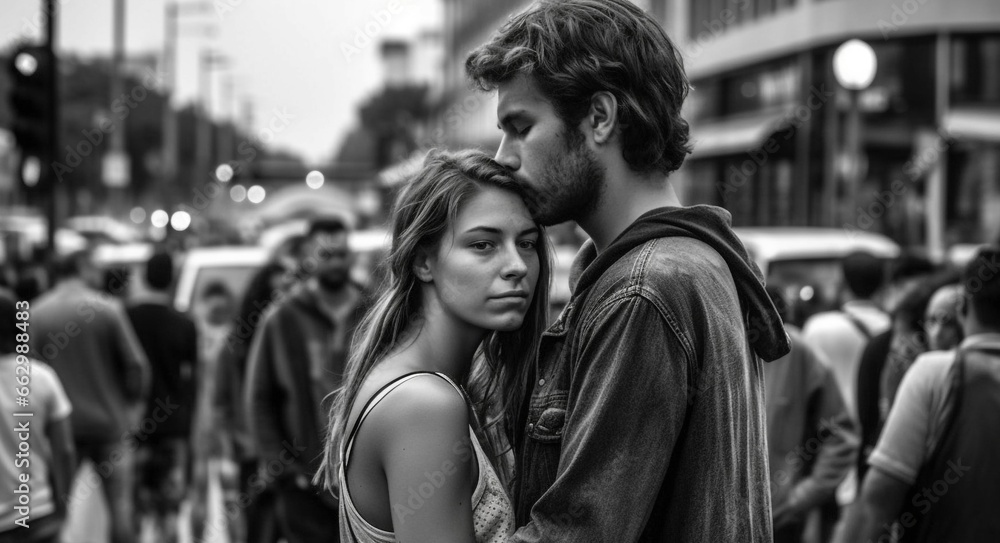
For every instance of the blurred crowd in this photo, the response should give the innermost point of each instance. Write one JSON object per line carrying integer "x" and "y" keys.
{"x": 163, "y": 402}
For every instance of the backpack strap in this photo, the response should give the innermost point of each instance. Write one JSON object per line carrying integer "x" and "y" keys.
{"x": 858, "y": 324}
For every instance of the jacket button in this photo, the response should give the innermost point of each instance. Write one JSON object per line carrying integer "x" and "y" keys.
{"x": 531, "y": 426}
{"x": 541, "y": 382}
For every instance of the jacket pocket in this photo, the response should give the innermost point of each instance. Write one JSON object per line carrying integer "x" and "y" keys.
{"x": 547, "y": 418}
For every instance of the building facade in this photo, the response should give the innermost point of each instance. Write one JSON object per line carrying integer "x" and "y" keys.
{"x": 772, "y": 128}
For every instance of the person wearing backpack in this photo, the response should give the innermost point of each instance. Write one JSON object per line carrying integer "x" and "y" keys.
{"x": 934, "y": 473}
{"x": 841, "y": 335}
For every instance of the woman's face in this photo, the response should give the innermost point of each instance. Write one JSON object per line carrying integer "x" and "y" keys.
{"x": 485, "y": 268}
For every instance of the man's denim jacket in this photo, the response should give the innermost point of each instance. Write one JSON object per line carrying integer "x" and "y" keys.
{"x": 645, "y": 420}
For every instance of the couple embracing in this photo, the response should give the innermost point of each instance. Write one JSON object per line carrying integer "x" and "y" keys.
{"x": 638, "y": 415}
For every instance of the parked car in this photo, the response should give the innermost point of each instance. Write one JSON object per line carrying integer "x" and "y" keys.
{"x": 232, "y": 265}
{"x": 806, "y": 262}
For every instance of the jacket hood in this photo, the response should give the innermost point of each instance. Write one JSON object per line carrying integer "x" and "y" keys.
{"x": 713, "y": 226}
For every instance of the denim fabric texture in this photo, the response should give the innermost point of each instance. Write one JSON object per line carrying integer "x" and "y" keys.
{"x": 645, "y": 420}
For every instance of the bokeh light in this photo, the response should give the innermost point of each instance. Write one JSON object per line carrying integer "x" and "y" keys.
{"x": 159, "y": 218}
{"x": 256, "y": 194}
{"x": 315, "y": 179}
{"x": 180, "y": 220}
{"x": 224, "y": 173}
{"x": 238, "y": 193}
{"x": 138, "y": 215}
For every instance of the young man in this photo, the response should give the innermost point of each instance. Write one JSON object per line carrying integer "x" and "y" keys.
{"x": 296, "y": 360}
{"x": 668, "y": 318}
{"x": 171, "y": 344}
{"x": 810, "y": 436}
{"x": 934, "y": 473}
{"x": 86, "y": 337}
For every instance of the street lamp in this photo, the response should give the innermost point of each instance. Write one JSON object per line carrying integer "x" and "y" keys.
{"x": 854, "y": 66}
{"x": 315, "y": 179}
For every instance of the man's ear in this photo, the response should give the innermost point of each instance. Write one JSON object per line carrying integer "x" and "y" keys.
{"x": 603, "y": 116}
{"x": 422, "y": 265}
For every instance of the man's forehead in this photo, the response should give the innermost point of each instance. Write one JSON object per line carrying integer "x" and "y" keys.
{"x": 519, "y": 93}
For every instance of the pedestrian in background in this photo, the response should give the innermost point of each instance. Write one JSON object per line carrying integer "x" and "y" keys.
{"x": 86, "y": 336}
{"x": 170, "y": 341}
{"x": 841, "y": 335}
{"x": 934, "y": 472}
{"x": 941, "y": 319}
{"x": 909, "y": 271}
{"x": 296, "y": 360}
{"x": 257, "y": 522}
{"x": 810, "y": 438}
{"x": 52, "y": 460}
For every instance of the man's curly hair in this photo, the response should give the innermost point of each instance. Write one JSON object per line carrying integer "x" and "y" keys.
{"x": 573, "y": 49}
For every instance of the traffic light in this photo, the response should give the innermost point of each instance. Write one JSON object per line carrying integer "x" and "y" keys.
{"x": 31, "y": 77}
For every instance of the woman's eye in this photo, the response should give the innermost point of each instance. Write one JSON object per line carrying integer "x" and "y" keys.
{"x": 528, "y": 244}
{"x": 481, "y": 245}
{"x": 524, "y": 131}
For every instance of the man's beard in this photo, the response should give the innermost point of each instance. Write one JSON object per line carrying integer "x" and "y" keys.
{"x": 568, "y": 188}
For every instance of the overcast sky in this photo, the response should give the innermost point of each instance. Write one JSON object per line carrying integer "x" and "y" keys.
{"x": 284, "y": 55}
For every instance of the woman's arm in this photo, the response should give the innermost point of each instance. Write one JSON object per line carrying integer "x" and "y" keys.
{"x": 428, "y": 458}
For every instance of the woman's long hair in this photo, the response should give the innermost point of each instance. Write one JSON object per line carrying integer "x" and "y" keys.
{"x": 422, "y": 213}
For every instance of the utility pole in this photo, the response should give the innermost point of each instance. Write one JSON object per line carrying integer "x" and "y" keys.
{"x": 171, "y": 29}
{"x": 169, "y": 162}
{"x": 116, "y": 166}
{"x": 53, "y": 104}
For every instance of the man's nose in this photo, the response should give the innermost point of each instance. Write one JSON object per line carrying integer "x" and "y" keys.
{"x": 506, "y": 156}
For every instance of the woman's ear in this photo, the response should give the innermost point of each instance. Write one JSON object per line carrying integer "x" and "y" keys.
{"x": 422, "y": 266}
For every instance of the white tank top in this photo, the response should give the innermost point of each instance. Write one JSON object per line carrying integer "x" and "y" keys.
{"x": 492, "y": 512}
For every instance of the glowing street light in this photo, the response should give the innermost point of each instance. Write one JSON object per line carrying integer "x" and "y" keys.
{"x": 256, "y": 194}
{"x": 314, "y": 179}
{"x": 854, "y": 65}
{"x": 224, "y": 173}
{"x": 180, "y": 220}
{"x": 159, "y": 218}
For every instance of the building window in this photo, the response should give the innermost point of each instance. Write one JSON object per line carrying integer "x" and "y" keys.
{"x": 971, "y": 82}
{"x": 716, "y": 16}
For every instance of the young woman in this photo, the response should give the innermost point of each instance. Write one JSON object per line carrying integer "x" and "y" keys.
{"x": 469, "y": 278}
